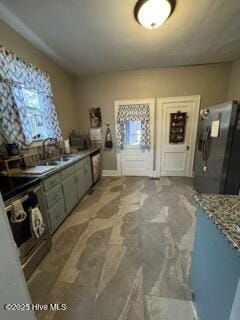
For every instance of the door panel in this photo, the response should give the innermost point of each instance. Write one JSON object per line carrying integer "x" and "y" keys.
{"x": 134, "y": 161}
{"x": 88, "y": 175}
{"x": 174, "y": 161}
{"x": 70, "y": 192}
{"x": 175, "y": 156}
{"x": 81, "y": 185}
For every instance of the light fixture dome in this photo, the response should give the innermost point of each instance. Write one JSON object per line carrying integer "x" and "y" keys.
{"x": 151, "y": 14}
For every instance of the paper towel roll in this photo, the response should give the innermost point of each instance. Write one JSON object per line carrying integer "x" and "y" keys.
{"x": 66, "y": 146}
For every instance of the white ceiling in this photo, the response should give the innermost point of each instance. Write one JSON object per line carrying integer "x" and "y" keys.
{"x": 95, "y": 36}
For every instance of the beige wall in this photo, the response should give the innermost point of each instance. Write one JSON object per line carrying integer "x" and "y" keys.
{"x": 234, "y": 86}
{"x": 209, "y": 81}
{"x": 62, "y": 82}
{"x": 73, "y": 97}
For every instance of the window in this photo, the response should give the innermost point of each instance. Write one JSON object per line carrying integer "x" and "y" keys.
{"x": 32, "y": 102}
{"x": 132, "y": 132}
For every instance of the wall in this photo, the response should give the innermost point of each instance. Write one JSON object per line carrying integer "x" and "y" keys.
{"x": 234, "y": 86}
{"x": 209, "y": 81}
{"x": 62, "y": 82}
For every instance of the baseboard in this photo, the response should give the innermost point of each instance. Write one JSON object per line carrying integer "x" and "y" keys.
{"x": 114, "y": 173}
{"x": 109, "y": 173}
{"x": 154, "y": 174}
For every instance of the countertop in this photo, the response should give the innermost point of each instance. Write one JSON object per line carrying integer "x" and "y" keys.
{"x": 222, "y": 210}
{"x": 77, "y": 157}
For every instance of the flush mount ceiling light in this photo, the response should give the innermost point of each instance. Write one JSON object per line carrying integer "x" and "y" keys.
{"x": 151, "y": 14}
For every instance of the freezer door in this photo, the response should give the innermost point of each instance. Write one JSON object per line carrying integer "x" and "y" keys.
{"x": 212, "y": 153}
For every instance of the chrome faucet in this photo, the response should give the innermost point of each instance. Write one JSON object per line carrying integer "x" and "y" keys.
{"x": 44, "y": 146}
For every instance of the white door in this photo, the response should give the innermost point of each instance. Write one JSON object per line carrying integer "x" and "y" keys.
{"x": 177, "y": 131}
{"x": 132, "y": 160}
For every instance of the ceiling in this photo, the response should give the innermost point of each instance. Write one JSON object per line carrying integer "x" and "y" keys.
{"x": 96, "y": 36}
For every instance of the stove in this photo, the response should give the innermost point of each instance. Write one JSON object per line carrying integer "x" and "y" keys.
{"x": 31, "y": 248}
{"x": 13, "y": 186}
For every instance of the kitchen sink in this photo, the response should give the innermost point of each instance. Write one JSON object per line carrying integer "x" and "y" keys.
{"x": 53, "y": 163}
{"x": 59, "y": 160}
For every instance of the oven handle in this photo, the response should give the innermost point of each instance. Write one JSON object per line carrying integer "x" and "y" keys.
{"x": 24, "y": 198}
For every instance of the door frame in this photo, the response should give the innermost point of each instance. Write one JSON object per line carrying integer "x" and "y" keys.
{"x": 151, "y": 102}
{"x": 182, "y": 99}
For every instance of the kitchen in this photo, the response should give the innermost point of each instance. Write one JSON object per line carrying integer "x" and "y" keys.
{"x": 113, "y": 186}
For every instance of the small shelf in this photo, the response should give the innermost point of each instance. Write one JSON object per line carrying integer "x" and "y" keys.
{"x": 7, "y": 170}
{"x": 177, "y": 127}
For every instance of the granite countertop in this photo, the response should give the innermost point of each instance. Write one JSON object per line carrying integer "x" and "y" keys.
{"x": 224, "y": 211}
{"x": 79, "y": 155}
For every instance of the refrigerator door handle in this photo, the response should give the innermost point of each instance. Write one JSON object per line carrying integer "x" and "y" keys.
{"x": 204, "y": 145}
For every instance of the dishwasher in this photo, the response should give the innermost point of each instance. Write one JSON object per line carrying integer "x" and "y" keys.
{"x": 96, "y": 165}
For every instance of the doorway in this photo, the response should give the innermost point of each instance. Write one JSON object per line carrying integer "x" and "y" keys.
{"x": 132, "y": 159}
{"x": 177, "y": 119}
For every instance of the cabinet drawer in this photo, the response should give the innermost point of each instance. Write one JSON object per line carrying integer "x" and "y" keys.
{"x": 67, "y": 172}
{"x": 79, "y": 165}
{"x": 51, "y": 182}
{"x": 54, "y": 195}
{"x": 57, "y": 215}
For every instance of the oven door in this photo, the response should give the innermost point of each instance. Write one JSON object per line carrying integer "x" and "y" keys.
{"x": 22, "y": 232}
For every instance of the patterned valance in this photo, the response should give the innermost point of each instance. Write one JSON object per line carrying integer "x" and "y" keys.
{"x": 14, "y": 75}
{"x": 134, "y": 112}
{"x": 14, "y": 69}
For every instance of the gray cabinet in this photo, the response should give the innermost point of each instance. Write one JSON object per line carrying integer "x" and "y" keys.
{"x": 81, "y": 187}
{"x": 57, "y": 214}
{"x": 88, "y": 174}
{"x": 54, "y": 195}
{"x": 83, "y": 171}
{"x": 64, "y": 190}
{"x": 70, "y": 192}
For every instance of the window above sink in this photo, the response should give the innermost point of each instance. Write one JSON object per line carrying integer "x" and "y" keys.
{"x": 34, "y": 110}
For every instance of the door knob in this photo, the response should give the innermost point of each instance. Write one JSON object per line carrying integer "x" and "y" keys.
{"x": 187, "y": 147}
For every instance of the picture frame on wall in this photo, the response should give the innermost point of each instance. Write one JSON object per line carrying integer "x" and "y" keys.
{"x": 95, "y": 117}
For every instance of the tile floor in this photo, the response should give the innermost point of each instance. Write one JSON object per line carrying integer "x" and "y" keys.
{"x": 123, "y": 254}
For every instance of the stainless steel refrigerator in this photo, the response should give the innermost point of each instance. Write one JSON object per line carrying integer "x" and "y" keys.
{"x": 217, "y": 157}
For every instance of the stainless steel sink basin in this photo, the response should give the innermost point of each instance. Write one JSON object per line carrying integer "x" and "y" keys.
{"x": 65, "y": 158}
{"x": 59, "y": 160}
{"x": 53, "y": 163}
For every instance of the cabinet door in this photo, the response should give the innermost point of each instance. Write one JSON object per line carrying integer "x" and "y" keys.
{"x": 70, "y": 192}
{"x": 88, "y": 175}
{"x": 57, "y": 215}
{"x": 81, "y": 184}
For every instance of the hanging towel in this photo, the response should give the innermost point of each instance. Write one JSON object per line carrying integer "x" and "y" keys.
{"x": 17, "y": 214}
{"x": 108, "y": 138}
{"x": 38, "y": 227}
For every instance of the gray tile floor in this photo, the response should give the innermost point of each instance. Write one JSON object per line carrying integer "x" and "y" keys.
{"x": 123, "y": 254}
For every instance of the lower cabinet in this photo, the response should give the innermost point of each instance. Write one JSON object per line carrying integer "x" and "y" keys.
{"x": 64, "y": 190}
{"x": 83, "y": 171}
{"x": 57, "y": 214}
{"x": 80, "y": 182}
{"x": 88, "y": 174}
{"x": 70, "y": 192}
